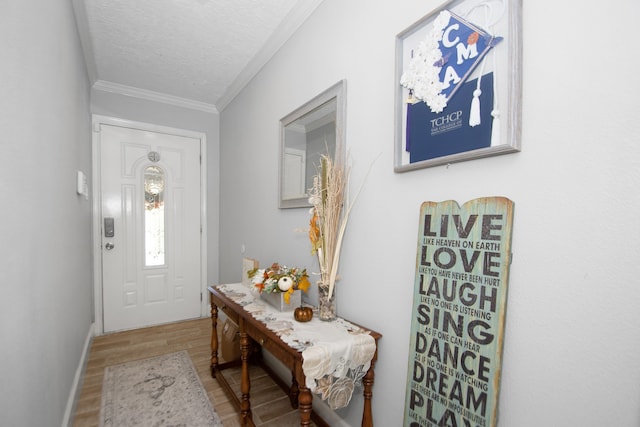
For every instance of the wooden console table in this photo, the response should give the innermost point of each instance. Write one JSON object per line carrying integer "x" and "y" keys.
{"x": 254, "y": 332}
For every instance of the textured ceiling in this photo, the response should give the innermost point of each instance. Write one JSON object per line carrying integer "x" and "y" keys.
{"x": 198, "y": 52}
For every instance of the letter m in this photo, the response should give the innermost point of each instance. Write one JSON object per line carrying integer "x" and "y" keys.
{"x": 466, "y": 52}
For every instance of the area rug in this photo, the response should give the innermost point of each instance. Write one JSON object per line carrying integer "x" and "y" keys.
{"x": 160, "y": 391}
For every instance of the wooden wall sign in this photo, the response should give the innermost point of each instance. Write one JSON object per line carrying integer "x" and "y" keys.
{"x": 458, "y": 313}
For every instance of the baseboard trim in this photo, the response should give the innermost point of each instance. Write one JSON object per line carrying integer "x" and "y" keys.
{"x": 76, "y": 387}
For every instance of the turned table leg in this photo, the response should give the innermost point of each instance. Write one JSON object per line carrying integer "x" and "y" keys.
{"x": 367, "y": 382}
{"x": 214, "y": 338}
{"x": 305, "y": 398}
{"x": 245, "y": 384}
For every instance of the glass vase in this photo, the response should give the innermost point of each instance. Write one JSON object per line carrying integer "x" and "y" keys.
{"x": 326, "y": 305}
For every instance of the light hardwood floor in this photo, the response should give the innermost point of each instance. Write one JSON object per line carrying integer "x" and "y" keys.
{"x": 270, "y": 405}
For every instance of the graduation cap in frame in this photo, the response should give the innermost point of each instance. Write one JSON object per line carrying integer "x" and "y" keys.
{"x": 445, "y": 59}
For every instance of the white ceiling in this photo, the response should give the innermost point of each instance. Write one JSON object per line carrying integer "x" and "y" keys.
{"x": 194, "y": 53}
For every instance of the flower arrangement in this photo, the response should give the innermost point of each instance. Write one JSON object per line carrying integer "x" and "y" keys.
{"x": 423, "y": 75}
{"x": 328, "y": 218}
{"x": 280, "y": 278}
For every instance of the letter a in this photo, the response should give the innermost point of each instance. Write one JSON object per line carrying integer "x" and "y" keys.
{"x": 450, "y": 75}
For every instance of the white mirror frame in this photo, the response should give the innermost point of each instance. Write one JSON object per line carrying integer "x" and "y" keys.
{"x": 336, "y": 93}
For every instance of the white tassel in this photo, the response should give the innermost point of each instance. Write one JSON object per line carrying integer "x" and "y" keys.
{"x": 474, "y": 114}
{"x": 495, "y": 128}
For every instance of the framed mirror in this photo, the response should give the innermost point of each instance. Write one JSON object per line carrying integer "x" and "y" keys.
{"x": 314, "y": 129}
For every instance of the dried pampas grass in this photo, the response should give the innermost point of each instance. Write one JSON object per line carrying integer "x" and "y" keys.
{"x": 329, "y": 216}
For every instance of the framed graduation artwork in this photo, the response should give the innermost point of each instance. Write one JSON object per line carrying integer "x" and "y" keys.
{"x": 458, "y": 84}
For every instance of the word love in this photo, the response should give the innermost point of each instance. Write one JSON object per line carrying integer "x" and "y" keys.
{"x": 487, "y": 227}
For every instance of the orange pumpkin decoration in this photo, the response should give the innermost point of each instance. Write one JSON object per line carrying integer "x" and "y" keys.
{"x": 303, "y": 314}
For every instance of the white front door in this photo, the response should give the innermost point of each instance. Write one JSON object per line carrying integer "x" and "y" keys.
{"x": 150, "y": 202}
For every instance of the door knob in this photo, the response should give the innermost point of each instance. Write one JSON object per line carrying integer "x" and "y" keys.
{"x": 109, "y": 246}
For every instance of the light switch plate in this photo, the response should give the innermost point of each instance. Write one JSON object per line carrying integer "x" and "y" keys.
{"x": 81, "y": 185}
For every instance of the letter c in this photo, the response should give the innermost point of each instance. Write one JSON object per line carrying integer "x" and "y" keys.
{"x": 445, "y": 37}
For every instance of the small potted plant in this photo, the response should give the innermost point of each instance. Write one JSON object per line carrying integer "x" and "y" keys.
{"x": 278, "y": 284}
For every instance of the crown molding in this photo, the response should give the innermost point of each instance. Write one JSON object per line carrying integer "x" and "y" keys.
{"x": 296, "y": 17}
{"x": 85, "y": 41}
{"x": 150, "y": 95}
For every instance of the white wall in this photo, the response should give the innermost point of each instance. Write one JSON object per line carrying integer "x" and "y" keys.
{"x": 144, "y": 111}
{"x": 571, "y": 342}
{"x": 45, "y": 263}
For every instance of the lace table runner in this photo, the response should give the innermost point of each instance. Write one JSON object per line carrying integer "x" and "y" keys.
{"x": 336, "y": 355}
